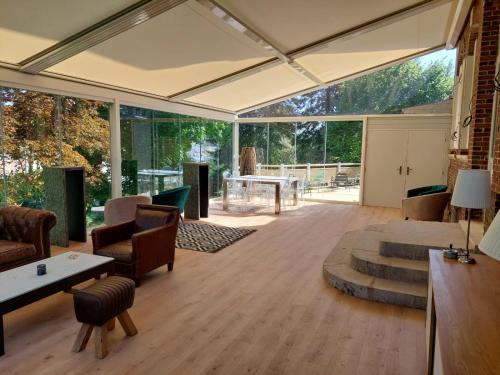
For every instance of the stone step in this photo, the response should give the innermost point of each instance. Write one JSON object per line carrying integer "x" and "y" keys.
{"x": 413, "y": 239}
{"x": 338, "y": 272}
{"x": 372, "y": 263}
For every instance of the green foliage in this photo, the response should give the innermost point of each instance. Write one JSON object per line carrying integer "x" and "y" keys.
{"x": 164, "y": 141}
{"x": 38, "y": 133}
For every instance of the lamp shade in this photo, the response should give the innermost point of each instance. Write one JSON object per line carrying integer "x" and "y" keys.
{"x": 472, "y": 189}
{"x": 490, "y": 244}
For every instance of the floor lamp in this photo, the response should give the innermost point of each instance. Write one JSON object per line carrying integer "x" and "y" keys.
{"x": 472, "y": 191}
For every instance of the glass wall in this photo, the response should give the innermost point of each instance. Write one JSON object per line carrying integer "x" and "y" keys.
{"x": 40, "y": 130}
{"x": 315, "y": 152}
{"x": 156, "y": 144}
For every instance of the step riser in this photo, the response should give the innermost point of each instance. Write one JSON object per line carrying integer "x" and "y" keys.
{"x": 405, "y": 251}
{"x": 388, "y": 272}
{"x": 372, "y": 294}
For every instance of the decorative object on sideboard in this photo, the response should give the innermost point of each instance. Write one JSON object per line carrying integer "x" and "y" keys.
{"x": 450, "y": 253}
{"x": 472, "y": 191}
{"x": 490, "y": 244}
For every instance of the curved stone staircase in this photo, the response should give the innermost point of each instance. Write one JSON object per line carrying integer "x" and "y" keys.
{"x": 389, "y": 262}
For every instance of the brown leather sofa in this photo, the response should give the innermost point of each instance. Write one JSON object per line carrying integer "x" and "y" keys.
{"x": 24, "y": 235}
{"x": 140, "y": 245}
{"x": 429, "y": 207}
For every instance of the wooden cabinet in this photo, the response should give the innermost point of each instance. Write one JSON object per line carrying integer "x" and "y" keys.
{"x": 463, "y": 330}
{"x": 403, "y": 153}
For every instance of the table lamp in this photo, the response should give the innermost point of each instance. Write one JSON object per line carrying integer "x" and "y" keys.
{"x": 472, "y": 190}
{"x": 490, "y": 244}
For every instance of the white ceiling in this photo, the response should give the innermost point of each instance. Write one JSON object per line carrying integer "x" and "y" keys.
{"x": 192, "y": 53}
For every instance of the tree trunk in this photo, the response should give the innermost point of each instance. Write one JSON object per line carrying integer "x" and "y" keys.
{"x": 248, "y": 161}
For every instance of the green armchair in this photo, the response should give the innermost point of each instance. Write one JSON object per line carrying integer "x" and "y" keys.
{"x": 174, "y": 197}
{"x": 426, "y": 190}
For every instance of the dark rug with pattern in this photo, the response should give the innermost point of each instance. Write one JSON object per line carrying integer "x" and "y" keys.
{"x": 207, "y": 237}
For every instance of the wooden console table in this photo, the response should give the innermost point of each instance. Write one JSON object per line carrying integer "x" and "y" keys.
{"x": 463, "y": 309}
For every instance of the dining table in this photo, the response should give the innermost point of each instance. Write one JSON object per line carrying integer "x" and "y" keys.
{"x": 251, "y": 180}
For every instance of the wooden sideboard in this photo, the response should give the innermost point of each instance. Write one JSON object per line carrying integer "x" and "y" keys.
{"x": 463, "y": 316}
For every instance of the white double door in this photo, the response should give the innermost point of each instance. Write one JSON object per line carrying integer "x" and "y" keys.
{"x": 399, "y": 160}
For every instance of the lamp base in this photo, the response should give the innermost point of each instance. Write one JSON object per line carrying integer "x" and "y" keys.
{"x": 466, "y": 259}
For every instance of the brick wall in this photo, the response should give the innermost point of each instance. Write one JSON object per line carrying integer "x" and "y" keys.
{"x": 480, "y": 39}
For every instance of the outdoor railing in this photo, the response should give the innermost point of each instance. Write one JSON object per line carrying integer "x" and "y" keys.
{"x": 310, "y": 172}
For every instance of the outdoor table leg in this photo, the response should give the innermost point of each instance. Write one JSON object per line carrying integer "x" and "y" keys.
{"x": 277, "y": 199}
{"x": 295, "y": 197}
{"x": 224, "y": 196}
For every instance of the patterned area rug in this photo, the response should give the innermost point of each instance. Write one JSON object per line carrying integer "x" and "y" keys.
{"x": 207, "y": 237}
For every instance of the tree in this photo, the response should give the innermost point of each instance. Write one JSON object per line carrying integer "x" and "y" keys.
{"x": 39, "y": 133}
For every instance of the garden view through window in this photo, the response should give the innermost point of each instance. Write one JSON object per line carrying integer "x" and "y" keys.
{"x": 41, "y": 129}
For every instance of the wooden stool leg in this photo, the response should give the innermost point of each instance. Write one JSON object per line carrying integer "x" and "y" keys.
{"x": 101, "y": 341}
{"x": 111, "y": 324}
{"x": 83, "y": 338}
{"x": 127, "y": 323}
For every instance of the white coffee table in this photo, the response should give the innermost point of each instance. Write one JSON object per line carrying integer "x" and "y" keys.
{"x": 21, "y": 286}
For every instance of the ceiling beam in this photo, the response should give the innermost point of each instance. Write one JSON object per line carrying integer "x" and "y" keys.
{"x": 457, "y": 25}
{"x": 289, "y": 58}
{"x": 118, "y": 23}
{"x": 225, "y": 80}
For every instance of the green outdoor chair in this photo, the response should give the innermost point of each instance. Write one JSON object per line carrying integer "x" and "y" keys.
{"x": 174, "y": 197}
{"x": 426, "y": 190}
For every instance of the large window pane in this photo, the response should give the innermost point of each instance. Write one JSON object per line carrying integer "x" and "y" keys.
{"x": 156, "y": 144}
{"x": 41, "y": 130}
{"x": 217, "y": 151}
{"x": 282, "y": 149}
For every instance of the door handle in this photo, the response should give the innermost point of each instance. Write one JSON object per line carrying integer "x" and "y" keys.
{"x": 408, "y": 169}
{"x": 400, "y": 169}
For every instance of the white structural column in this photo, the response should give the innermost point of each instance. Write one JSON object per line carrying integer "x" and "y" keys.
{"x": 236, "y": 148}
{"x": 116, "y": 156}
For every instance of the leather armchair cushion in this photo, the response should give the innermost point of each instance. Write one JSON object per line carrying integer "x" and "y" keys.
{"x": 121, "y": 251}
{"x": 152, "y": 216}
{"x": 13, "y": 251}
{"x": 104, "y": 300}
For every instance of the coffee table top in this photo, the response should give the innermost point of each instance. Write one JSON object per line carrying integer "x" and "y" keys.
{"x": 23, "y": 279}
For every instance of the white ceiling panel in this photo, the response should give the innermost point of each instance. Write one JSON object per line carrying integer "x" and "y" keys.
{"x": 391, "y": 42}
{"x": 174, "y": 51}
{"x": 266, "y": 85}
{"x": 293, "y": 24}
{"x": 34, "y": 25}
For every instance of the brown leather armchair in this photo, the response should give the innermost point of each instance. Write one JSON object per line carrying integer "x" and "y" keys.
{"x": 140, "y": 245}
{"x": 24, "y": 235}
{"x": 426, "y": 207}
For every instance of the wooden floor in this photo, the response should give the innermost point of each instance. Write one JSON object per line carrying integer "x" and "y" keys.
{"x": 260, "y": 306}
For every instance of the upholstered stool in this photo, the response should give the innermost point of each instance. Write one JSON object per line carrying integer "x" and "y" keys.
{"x": 98, "y": 305}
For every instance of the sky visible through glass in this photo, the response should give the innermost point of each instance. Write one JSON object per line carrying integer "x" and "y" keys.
{"x": 448, "y": 56}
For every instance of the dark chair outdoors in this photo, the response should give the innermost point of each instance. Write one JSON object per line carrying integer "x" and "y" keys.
{"x": 342, "y": 179}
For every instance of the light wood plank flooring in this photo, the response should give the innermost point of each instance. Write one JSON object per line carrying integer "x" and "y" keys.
{"x": 260, "y": 306}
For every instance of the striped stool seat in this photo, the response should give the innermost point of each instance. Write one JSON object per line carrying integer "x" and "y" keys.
{"x": 98, "y": 305}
